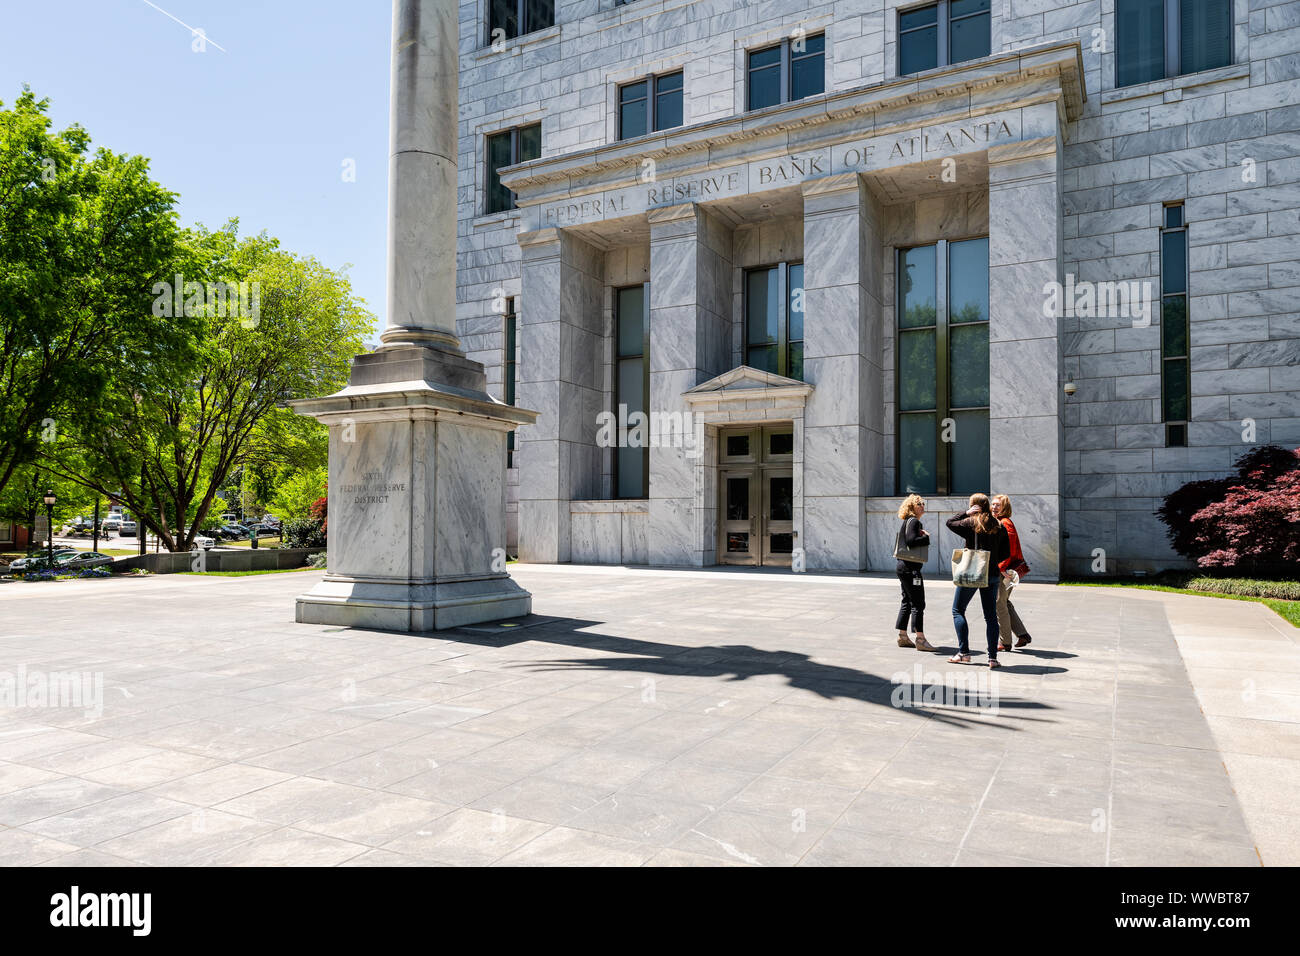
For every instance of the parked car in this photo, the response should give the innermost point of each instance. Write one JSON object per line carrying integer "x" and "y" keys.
{"x": 271, "y": 521}
{"x": 111, "y": 523}
{"x": 204, "y": 542}
{"x": 128, "y": 528}
{"x": 230, "y": 518}
{"x": 21, "y": 564}
{"x": 236, "y": 530}
{"x": 84, "y": 559}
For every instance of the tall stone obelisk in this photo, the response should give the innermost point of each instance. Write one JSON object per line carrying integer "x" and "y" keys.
{"x": 417, "y": 447}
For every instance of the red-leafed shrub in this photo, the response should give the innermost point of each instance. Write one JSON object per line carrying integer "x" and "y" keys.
{"x": 319, "y": 511}
{"x": 1249, "y": 521}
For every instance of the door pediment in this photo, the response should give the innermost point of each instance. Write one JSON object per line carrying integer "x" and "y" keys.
{"x": 743, "y": 384}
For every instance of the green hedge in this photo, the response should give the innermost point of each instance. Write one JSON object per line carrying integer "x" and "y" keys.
{"x": 1249, "y": 587}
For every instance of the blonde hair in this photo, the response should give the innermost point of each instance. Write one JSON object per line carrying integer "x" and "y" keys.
{"x": 1005, "y": 502}
{"x": 908, "y": 507}
{"x": 985, "y": 523}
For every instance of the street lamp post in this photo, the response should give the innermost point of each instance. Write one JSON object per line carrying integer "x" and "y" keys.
{"x": 49, "y": 521}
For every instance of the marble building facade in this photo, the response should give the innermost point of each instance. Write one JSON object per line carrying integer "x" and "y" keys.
{"x": 1009, "y": 171}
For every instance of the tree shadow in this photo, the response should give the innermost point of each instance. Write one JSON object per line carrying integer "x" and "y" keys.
{"x": 740, "y": 662}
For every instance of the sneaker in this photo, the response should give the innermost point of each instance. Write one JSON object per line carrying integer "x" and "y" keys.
{"x": 904, "y": 640}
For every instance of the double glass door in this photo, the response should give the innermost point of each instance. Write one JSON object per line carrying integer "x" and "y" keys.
{"x": 756, "y": 496}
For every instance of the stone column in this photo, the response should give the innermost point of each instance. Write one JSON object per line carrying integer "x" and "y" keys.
{"x": 690, "y": 342}
{"x": 843, "y": 356}
{"x": 1026, "y": 437}
{"x": 417, "y": 450}
{"x": 561, "y": 332}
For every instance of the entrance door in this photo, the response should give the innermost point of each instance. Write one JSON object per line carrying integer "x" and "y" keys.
{"x": 756, "y": 496}
{"x": 739, "y": 511}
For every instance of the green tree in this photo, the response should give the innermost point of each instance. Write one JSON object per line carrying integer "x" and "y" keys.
{"x": 296, "y": 495}
{"x": 83, "y": 239}
{"x": 171, "y": 441}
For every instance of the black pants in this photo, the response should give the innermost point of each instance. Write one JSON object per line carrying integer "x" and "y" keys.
{"x": 913, "y": 601}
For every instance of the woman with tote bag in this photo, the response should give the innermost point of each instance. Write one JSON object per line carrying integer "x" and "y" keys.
{"x": 911, "y": 548}
{"x": 985, "y": 548}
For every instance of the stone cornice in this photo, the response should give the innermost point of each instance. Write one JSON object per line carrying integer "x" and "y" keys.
{"x": 1060, "y": 61}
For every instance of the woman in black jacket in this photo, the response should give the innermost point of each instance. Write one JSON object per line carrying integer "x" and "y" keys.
{"x": 979, "y": 531}
{"x": 909, "y": 575}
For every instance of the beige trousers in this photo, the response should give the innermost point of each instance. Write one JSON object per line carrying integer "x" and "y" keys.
{"x": 1009, "y": 623}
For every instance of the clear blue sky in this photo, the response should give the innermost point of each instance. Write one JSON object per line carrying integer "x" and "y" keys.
{"x": 259, "y": 132}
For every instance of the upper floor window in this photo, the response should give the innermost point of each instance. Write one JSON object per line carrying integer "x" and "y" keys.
{"x": 506, "y": 148}
{"x": 951, "y": 31}
{"x": 786, "y": 71}
{"x": 651, "y": 104}
{"x": 942, "y": 363}
{"x": 514, "y": 18}
{"x": 774, "y": 313}
{"x": 1159, "y": 38}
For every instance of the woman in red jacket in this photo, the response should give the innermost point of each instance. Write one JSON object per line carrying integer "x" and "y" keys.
{"x": 1009, "y": 622}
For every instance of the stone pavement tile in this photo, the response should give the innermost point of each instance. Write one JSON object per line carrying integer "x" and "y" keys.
{"x": 945, "y": 783}
{"x": 1233, "y": 703}
{"x": 94, "y": 756}
{"x": 1160, "y": 848}
{"x": 378, "y": 734}
{"x": 517, "y": 757}
{"x": 21, "y": 848}
{"x": 935, "y": 821}
{"x": 1276, "y": 834}
{"x": 1049, "y": 839}
{"x": 427, "y": 717}
{"x": 444, "y": 745}
{"x": 844, "y": 847}
{"x": 50, "y": 798}
{"x": 372, "y": 817}
{"x": 17, "y": 776}
{"x": 1044, "y": 797}
{"x": 455, "y": 783}
{"x": 671, "y": 857}
{"x": 754, "y": 838}
{"x": 388, "y": 858}
{"x": 188, "y": 840}
{"x": 308, "y": 755}
{"x": 1191, "y": 819}
{"x": 29, "y": 746}
{"x": 666, "y": 736}
{"x": 978, "y": 858}
{"x": 691, "y": 783}
{"x": 210, "y": 787}
{"x": 1269, "y": 783}
{"x": 148, "y": 771}
{"x": 843, "y": 760}
{"x": 599, "y": 767}
{"x": 1069, "y": 773}
{"x": 288, "y": 847}
{"x": 209, "y": 738}
{"x": 815, "y": 804}
{"x": 543, "y": 800}
{"x": 468, "y": 837}
{"x": 86, "y": 858}
{"x": 376, "y": 770}
{"x": 562, "y": 846}
{"x": 89, "y": 825}
{"x": 639, "y": 817}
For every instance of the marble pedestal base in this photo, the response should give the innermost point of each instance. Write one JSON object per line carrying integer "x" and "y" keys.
{"x": 417, "y": 496}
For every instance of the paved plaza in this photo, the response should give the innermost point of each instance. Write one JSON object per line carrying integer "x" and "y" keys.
{"x": 643, "y": 717}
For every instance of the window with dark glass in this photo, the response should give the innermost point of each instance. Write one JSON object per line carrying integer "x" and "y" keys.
{"x": 1175, "y": 383}
{"x": 790, "y": 70}
{"x": 942, "y": 381}
{"x": 1155, "y": 39}
{"x": 940, "y": 34}
{"x": 506, "y": 148}
{"x": 631, "y": 388}
{"x": 654, "y": 103}
{"x": 517, "y": 17}
{"x": 774, "y": 314}
{"x": 511, "y": 330}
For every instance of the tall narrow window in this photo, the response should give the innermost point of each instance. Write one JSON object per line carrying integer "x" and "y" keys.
{"x": 1159, "y": 38}
{"x": 631, "y": 388}
{"x": 942, "y": 366}
{"x": 654, "y": 103}
{"x": 516, "y": 17}
{"x": 774, "y": 314}
{"x": 518, "y": 145}
{"x": 790, "y": 70}
{"x": 941, "y": 34}
{"x": 508, "y": 367}
{"x": 1175, "y": 374}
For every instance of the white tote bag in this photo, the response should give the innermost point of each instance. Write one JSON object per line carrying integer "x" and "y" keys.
{"x": 970, "y": 566}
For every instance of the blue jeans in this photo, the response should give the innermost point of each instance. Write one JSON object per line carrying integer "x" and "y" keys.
{"x": 989, "y": 603}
